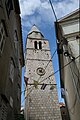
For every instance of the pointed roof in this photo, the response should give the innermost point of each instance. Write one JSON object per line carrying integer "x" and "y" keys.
{"x": 34, "y": 29}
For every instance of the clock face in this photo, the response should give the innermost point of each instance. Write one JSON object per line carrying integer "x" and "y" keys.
{"x": 40, "y": 71}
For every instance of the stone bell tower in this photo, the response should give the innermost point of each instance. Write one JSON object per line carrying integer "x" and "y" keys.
{"x": 41, "y": 100}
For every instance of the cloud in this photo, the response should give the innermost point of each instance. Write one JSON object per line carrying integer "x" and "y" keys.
{"x": 35, "y": 12}
{"x": 65, "y": 7}
{"x": 29, "y": 7}
{"x": 39, "y": 12}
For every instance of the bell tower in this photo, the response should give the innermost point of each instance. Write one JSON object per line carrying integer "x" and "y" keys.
{"x": 41, "y": 100}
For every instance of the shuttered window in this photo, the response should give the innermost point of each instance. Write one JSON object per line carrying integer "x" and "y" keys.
{"x": 9, "y": 6}
{"x": 2, "y": 37}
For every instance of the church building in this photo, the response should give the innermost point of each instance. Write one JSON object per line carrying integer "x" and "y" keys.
{"x": 41, "y": 99}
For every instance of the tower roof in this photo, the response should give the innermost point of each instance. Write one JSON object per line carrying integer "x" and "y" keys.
{"x": 34, "y": 29}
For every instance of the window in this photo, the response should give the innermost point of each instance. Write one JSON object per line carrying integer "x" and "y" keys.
{"x": 3, "y": 110}
{"x": 9, "y": 6}
{"x": 19, "y": 66}
{"x": 11, "y": 71}
{"x": 2, "y": 37}
{"x": 16, "y": 42}
{"x": 15, "y": 36}
{"x": 11, "y": 102}
{"x": 19, "y": 91}
{"x": 35, "y": 44}
{"x": 40, "y": 45}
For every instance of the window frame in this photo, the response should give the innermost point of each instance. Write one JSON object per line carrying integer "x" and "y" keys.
{"x": 35, "y": 45}
{"x": 19, "y": 92}
{"x": 2, "y": 37}
{"x": 9, "y": 6}
{"x": 11, "y": 101}
{"x": 11, "y": 70}
{"x": 40, "y": 45}
{"x": 16, "y": 42}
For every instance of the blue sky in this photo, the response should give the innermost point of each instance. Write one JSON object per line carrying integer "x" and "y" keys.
{"x": 39, "y": 12}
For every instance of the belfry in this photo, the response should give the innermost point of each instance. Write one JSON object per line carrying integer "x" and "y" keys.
{"x": 41, "y": 100}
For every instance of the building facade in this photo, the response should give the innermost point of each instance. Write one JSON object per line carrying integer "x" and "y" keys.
{"x": 41, "y": 100}
{"x": 68, "y": 42}
{"x": 11, "y": 59}
{"x": 63, "y": 111}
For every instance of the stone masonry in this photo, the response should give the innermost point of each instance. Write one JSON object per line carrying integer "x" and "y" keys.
{"x": 40, "y": 104}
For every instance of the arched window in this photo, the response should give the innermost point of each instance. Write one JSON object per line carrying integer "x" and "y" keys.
{"x": 35, "y": 44}
{"x": 40, "y": 45}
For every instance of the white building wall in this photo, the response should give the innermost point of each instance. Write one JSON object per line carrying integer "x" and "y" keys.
{"x": 71, "y": 27}
{"x": 71, "y": 30}
{"x": 73, "y": 97}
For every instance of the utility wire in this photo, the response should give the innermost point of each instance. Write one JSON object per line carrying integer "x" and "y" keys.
{"x": 74, "y": 82}
{"x": 45, "y": 68}
{"x": 58, "y": 23}
{"x": 75, "y": 66}
{"x": 76, "y": 94}
{"x": 56, "y": 49}
{"x": 51, "y": 58}
{"x": 48, "y": 62}
{"x": 51, "y": 75}
{"x": 27, "y": 95}
{"x": 60, "y": 42}
{"x": 59, "y": 69}
{"x": 53, "y": 9}
{"x": 60, "y": 31}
